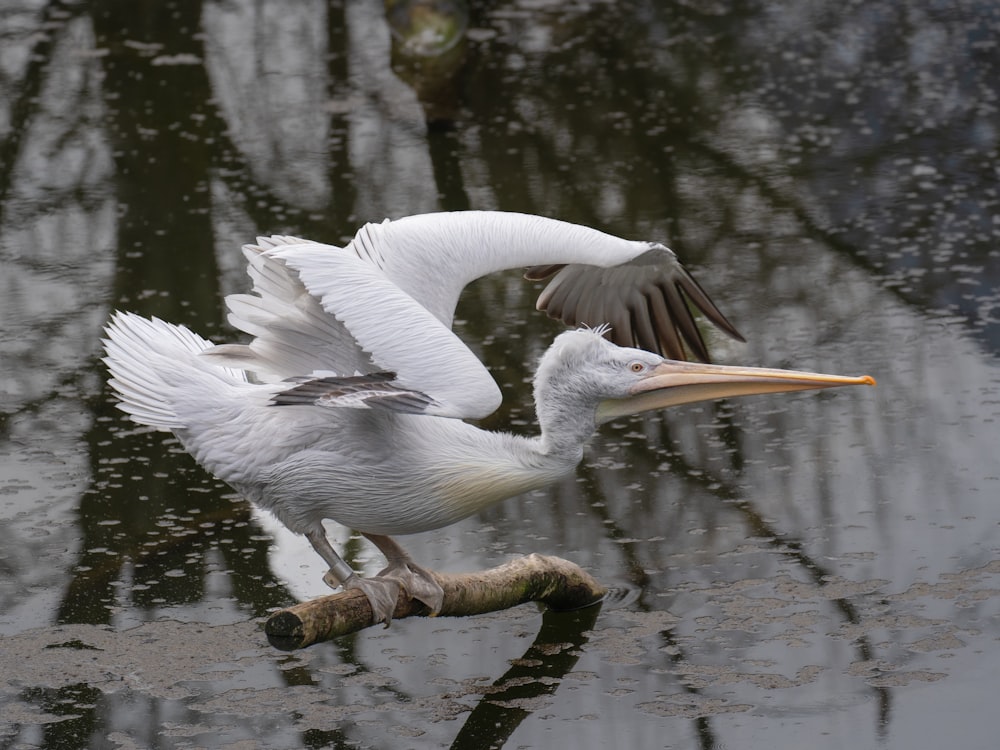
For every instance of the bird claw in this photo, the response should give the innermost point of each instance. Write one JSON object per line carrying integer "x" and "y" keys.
{"x": 382, "y": 594}
{"x": 383, "y": 590}
{"x": 418, "y": 583}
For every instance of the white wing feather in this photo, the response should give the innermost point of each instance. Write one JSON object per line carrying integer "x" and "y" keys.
{"x": 400, "y": 335}
{"x": 432, "y": 257}
{"x": 293, "y": 335}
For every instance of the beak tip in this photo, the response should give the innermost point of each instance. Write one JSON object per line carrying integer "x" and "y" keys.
{"x": 867, "y": 380}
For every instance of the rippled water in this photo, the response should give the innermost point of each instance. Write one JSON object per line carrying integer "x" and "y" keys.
{"x": 811, "y": 568}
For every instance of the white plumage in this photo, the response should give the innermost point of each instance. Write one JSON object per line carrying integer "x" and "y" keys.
{"x": 348, "y": 401}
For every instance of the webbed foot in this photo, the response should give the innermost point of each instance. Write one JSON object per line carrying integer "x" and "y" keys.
{"x": 418, "y": 583}
{"x": 382, "y": 593}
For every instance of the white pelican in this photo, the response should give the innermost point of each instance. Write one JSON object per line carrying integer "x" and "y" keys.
{"x": 348, "y": 403}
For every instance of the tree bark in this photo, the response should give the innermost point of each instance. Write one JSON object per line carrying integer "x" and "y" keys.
{"x": 557, "y": 583}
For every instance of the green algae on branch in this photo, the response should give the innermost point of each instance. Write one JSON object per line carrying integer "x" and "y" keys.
{"x": 557, "y": 583}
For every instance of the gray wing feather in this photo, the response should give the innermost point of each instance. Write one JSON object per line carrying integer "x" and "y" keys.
{"x": 647, "y": 302}
{"x": 376, "y": 389}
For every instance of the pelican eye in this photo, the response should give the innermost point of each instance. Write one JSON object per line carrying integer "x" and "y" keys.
{"x": 636, "y": 367}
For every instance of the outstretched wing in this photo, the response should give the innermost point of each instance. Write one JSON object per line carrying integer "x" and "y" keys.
{"x": 640, "y": 289}
{"x": 386, "y": 301}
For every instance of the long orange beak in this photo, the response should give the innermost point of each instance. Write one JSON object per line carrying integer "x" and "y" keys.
{"x": 672, "y": 383}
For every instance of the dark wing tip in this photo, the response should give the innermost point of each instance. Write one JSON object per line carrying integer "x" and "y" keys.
{"x": 647, "y": 302}
{"x": 690, "y": 286}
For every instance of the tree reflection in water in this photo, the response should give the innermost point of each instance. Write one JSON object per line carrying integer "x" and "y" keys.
{"x": 828, "y": 166}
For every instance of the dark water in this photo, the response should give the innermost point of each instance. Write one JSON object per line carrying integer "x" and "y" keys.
{"x": 818, "y": 569}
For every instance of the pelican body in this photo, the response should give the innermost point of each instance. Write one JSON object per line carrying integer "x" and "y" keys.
{"x": 349, "y": 402}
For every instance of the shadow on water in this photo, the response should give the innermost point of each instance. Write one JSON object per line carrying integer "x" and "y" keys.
{"x": 523, "y": 688}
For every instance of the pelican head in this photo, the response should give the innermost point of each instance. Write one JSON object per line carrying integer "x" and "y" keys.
{"x": 616, "y": 381}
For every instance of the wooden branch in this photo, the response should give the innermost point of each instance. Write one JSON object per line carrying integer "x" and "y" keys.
{"x": 557, "y": 583}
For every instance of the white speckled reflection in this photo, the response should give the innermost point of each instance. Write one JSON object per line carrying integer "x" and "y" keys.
{"x": 811, "y": 565}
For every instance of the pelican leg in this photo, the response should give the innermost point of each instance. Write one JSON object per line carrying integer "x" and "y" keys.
{"x": 419, "y": 583}
{"x": 382, "y": 593}
{"x": 339, "y": 570}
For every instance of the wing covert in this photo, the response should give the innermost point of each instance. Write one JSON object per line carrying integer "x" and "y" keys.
{"x": 398, "y": 334}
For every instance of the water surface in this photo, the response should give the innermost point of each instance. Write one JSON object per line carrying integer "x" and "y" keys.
{"x": 810, "y": 568}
